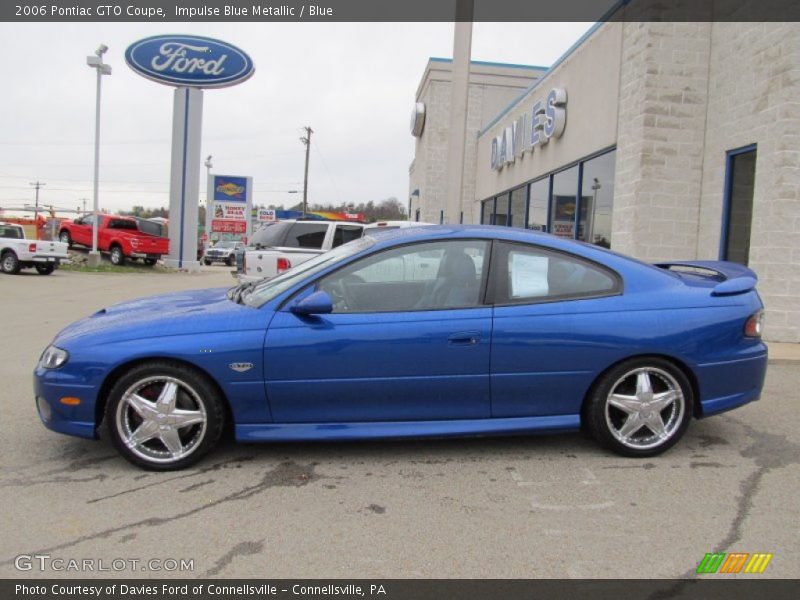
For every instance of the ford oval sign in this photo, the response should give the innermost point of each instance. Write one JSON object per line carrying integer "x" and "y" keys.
{"x": 189, "y": 60}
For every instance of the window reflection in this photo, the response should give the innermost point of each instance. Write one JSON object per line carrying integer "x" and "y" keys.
{"x": 597, "y": 200}
{"x": 518, "y": 198}
{"x": 537, "y": 209}
{"x": 501, "y": 210}
{"x": 565, "y": 190}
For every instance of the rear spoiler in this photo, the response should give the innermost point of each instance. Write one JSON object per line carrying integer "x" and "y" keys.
{"x": 733, "y": 278}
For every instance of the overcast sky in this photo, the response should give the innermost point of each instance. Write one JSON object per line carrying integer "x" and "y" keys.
{"x": 354, "y": 84}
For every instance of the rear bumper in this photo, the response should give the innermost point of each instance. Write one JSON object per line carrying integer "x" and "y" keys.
{"x": 733, "y": 383}
{"x": 49, "y": 259}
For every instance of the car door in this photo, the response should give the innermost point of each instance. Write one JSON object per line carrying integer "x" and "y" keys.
{"x": 402, "y": 343}
{"x": 82, "y": 230}
{"x": 552, "y": 329}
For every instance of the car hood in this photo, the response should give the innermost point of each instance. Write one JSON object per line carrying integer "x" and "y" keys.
{"x": 177, "y": 313}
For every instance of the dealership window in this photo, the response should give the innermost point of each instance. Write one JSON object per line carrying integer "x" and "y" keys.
{"x": 518, "y": 200}
{"x": 597, "y": 200}
{"x": 737, "y": 215}
{"x": 487, "y": 208}
{"x": 552, "y": 203}
{"x": 564, "y": 202}
{"x": 501, "y": 210}
{"x": 537, "y": 207}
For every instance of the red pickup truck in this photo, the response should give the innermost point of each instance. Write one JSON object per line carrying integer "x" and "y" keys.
{"x": 119, "y": 236}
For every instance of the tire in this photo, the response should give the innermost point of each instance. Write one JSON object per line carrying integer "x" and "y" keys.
{"x": 9, "y": 263}
{"x": 150, "y": 261}
{"x": 231, "y": 260}
{"x": 117, "y": 256}
{"x": 45, "y": 269}
{"x": 65, "y": 237}
{"x": 143, "y": 394}
{"x": 206, "y": 262}
{"x": 641, "y": 407}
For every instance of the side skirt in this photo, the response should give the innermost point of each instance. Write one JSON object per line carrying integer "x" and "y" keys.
{"x": 285, "y": 432}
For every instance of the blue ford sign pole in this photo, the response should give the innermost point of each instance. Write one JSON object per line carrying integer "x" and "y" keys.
{"x": 190, "y": 63}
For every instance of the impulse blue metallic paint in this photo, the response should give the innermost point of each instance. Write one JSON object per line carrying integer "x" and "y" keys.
{"x": 526, "y": 367}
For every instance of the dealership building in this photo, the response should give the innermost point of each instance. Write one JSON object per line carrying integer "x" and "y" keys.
{"x": 664, "y": 141}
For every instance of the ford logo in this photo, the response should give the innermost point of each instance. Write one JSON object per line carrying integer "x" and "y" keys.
{"x": 189, "y": 60}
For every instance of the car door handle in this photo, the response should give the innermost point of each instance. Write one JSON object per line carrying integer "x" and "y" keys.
{"x": 464, "y": 338}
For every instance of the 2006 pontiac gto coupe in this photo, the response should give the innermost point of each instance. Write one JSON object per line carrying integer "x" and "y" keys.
{"x": 440, "y": 331}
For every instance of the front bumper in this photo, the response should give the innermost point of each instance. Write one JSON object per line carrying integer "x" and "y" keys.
{"x": 49, "y": 386}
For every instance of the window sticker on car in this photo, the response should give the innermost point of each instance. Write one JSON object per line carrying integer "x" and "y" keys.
{"x": 528, "y": 275}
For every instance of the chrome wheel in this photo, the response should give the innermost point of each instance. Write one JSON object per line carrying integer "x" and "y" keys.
{"x": 645, "y": 408}
{"x": 161, "y": 419}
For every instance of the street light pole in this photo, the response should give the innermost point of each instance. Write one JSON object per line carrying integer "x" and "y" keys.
{"x": 96, "y": 62}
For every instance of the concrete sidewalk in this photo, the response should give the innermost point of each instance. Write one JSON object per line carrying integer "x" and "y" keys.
{"x": 784, "y": 353}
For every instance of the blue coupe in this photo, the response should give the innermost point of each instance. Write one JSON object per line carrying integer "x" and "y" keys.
{"x": 435, "y": 331}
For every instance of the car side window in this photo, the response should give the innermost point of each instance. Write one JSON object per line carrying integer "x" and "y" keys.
{"x": 423, "y": 276}
{"x": 532, "y": 274}
{"x": 306, "y": 235}
{"x": 346, "y": 233}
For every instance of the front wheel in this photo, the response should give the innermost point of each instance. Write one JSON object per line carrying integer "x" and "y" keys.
{"x": 164, "y": 416}
{"x": 206, "y": 262}
{"x": 9, "y": 263}
{"x": 45, "y": 269}
{"x": 641, "y": 407}
{"x": 231, "y": 260}
{"x": 117, "y": 256}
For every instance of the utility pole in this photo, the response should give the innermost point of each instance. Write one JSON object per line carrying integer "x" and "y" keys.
{"x": 36, "y": 185}
{"x": 307, "y": 141}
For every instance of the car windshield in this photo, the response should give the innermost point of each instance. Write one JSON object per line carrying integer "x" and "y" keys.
{"x": 225, "y": 245}
{"x": 265, "y": 291}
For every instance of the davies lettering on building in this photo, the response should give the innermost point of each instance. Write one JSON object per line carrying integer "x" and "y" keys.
{"x": 546, "y": 119}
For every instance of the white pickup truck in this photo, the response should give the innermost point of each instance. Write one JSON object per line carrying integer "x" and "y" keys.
{"x": 279, "y": 246}
{"x": 17, "y": 253}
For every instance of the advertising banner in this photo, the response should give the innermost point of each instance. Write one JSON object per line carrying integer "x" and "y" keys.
{"x": 230, "y": 204}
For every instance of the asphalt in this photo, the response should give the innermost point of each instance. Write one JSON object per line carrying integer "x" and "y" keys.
{"x": 551, "y": 506}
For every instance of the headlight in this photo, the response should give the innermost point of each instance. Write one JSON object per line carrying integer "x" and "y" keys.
{"x": 53, "y": 358}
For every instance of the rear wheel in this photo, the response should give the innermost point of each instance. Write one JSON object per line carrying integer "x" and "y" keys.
{"x": 164, "y": 416}
{"x": 231, "y": 260}
{"x": 206, "y": 262}
{"x": 117, "y": 256}
{"x": 641, "y": 407}
{"x": 9, "y": 263}
{"x": 45, "y": 269}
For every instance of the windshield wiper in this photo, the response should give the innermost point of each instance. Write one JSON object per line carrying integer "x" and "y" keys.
{"x": 237, "y": 293}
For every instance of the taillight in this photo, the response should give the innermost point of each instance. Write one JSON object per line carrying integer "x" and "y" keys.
{"x": 31, "y": 247}
{"x": 754, "y": 325}
{"x": 284, "y": 265}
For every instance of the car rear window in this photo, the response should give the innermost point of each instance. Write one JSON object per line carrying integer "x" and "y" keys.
{"x": 270, "y": 235}
{"x": 12, "y": 233}
{"x": 306, "y": 235}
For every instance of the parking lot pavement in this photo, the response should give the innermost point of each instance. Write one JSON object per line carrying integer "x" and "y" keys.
{"x": 553, "y": 506}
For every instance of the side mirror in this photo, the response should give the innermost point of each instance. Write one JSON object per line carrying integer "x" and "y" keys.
{"x": 318, "y": 303}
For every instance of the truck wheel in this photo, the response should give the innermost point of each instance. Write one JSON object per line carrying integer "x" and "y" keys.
{"x": 117, "y": 256}
{"x": 206, "y": 262}
{"x": 150, "y": 261}
{"x": 9, "y": 263}
{"x": 231, "y": 260}
{"x": 45, "y": 269}
{"x": 65, "y": 238}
